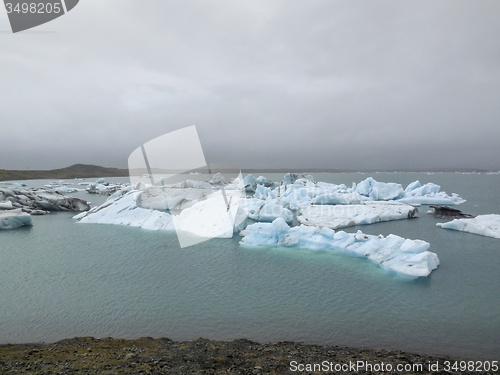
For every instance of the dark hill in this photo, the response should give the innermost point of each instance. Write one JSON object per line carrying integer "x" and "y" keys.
{"x": 74, "y": 171}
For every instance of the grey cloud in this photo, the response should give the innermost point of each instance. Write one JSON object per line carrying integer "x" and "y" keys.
{"x": 321, "y": 84}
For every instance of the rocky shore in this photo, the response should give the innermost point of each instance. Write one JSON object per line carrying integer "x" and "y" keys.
{"x": 88, "y": 355}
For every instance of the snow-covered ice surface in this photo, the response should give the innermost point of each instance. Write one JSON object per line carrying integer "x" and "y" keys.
{"x": 14, "y": 219}
{"x": 341, "y": 216}
{"x": 485, "y": 225}
{"x": 407, "y": 258}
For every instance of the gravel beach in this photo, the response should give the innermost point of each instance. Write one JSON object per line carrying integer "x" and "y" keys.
{"x": 88, "y": 355}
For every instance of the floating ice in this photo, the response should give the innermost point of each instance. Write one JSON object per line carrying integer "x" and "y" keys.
{"x": 342, "y": 216}
{"x": 303, "y": 192}
{"x": 209, "y": 218}
{"x": 42, "y": 199}
{"x": 6, "y": 205}
{"x": 249, "y": 183}
{"x": 407, "y": 258}
{"x": 428, "y": 194}
{"x": 268, "y": 210}
{"x": 14, "y": 219}
{"x": 485, "y": 225}
{"x": 122, "y": 209}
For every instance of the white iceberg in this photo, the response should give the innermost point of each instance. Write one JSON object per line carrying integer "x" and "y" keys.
{"x": 122, "y": 209}
{"x": 14, "y": 219}
{"x": 249, "y": 183}
{"x": 407, "y": 258}
{"x": 208, "y": 218}
{"x": 429, "y": 193}
{"x": 267, "y": 210}
{"x": 6, "y": 205}
{"x": 300, "y": 193}
{"x": 335, "y": 197}
{"x": 485, "y": 225}
{"x": 342, "y": 216}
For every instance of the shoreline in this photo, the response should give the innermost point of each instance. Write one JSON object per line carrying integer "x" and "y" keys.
{"x": 88, "y": 355}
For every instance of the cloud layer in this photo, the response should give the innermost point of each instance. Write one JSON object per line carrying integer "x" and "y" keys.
{"x": 321, "y": 84}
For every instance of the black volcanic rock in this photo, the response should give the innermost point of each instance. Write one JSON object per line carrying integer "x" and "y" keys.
{"x": 445, "y": 212}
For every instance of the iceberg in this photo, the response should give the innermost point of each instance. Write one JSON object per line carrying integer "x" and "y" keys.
{"x": 42, "y": 199}
{"x": 342, "y": 216}
{"x": 103, "y": 188}
{"x": 300, "y": 193}
{"x": 429, "y": 193}
{"x": 6, "y": 205}
{"x": 122, "y": 209}
{"x": 335, "y": 197}
{"x": 484, "y": 225}
{"x": 249, "y": 183}
{"x": 407, "y": 258}
{"x": 268, "y": 210}
{"x": 208, "y": 218}
{"x": 14, "y": 219}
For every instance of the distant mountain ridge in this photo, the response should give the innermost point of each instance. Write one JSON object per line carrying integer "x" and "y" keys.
{"x": 89, "y": 171}
{"x": 74, "y": 171}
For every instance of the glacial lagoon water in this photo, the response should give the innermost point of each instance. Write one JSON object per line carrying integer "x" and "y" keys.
{"x": 61, "y": 279}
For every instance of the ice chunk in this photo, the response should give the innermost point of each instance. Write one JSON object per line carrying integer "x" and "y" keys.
{"x": 365, "y": 187}
{"x": 209, "y": 218}
{"x": 335, "y": 197}
{"x": 428, "y": 194}
{"x": 382, "y": 191}
{"x": 14, "y": 219}
{"x": 123, "y": 210}
{"x": 212, "y": 218}
{"x": 44, "y": 199}
{"x": 268, "y": 210}
{"x": 6, "y": 205}
{"x": 348, "y": 215}
{"x": 249, "y": 183}
{"x": 485, "y": 225}
{"x": 407, "y": 258}
{"x": 262, "y": 192}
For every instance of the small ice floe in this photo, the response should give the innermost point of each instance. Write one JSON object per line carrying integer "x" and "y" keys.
{"x": 14, "y": 219}
{"x": 484, "y": 225}
{"x": 407, "y": 258}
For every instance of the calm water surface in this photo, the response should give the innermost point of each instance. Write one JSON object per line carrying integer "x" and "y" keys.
{"x": 62, "y": 279}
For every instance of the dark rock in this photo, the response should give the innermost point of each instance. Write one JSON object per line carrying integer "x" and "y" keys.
{"x": 444, "y": 212}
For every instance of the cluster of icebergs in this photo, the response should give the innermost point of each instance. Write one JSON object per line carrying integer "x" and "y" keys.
{"x": 297, "y": 212}
{"x": 217, "y": 209}
{"x": 17, "y": 205}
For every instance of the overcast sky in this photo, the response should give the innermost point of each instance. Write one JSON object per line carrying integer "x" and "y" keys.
{"x": 269, "y": 84}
